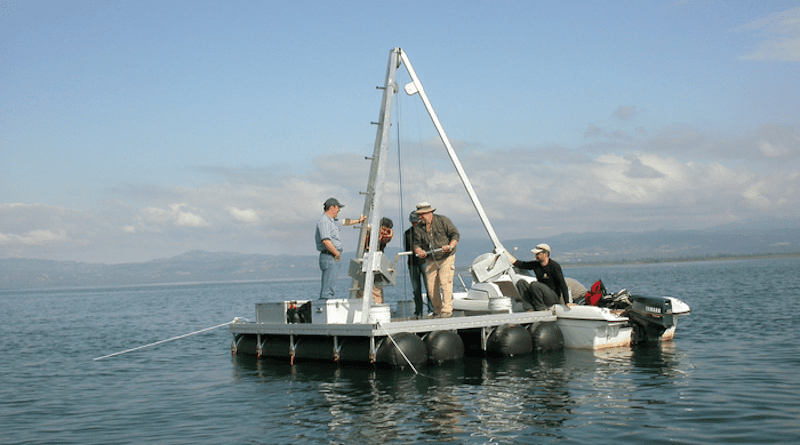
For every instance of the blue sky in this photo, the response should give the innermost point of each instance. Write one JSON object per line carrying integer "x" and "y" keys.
{"x": 131, "y": 131}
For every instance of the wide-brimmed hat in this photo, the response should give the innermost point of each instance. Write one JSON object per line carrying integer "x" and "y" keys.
{"x": 541, "y": 248}
{"x": 333, "y": 202}
{"x": 424, "y": 207}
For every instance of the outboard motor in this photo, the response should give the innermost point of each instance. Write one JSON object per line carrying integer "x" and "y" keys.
{"x": 649, "y": 317}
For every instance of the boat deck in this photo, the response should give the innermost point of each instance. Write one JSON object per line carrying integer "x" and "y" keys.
{"x": 331, "y": 337}
{"x": 394, "y": 326}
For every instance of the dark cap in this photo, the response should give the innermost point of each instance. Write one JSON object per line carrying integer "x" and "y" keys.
{"x": 332, "y": 202}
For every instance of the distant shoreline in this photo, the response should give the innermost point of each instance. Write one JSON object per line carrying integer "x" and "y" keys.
{"x": 110, "y": 276}
{"x": 684, "y": 260}
{"x": 665, "y": 260}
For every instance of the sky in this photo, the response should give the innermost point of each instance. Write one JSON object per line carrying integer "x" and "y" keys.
{"x": 137, "y": 130}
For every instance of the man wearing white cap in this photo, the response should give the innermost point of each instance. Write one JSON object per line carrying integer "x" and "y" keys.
{"x": 549, "y": 288}
{"x": 435, "y": 239}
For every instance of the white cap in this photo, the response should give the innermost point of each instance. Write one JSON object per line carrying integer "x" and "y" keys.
{"x": 541, "y": 248}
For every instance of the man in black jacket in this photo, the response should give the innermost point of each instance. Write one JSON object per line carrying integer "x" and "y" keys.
{"x": 549, "y": 288}
{"x": 416, "y": 269}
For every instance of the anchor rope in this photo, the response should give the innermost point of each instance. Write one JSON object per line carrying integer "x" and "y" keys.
{"x": 398, "y": 348}
{"x": 235, "y": 320}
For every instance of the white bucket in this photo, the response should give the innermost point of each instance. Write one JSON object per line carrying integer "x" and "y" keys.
{"x": 502, "y": 304}
{"x": 380, "y": 313}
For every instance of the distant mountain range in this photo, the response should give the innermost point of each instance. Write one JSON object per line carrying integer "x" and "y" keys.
{"x": 569, "y": 249}
{"x": 193, "y": 266}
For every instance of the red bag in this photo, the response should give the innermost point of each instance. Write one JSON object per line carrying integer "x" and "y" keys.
{"x": 594, "y": 295}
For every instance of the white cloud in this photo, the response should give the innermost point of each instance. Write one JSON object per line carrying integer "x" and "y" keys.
{"x": 781, "y": 32}
{"x": 35, "y": 237}
{"x": 632, "y": 184}
{"x": 157, "y": 218}
{"x": 187, "y": 219}
{"x": 244, "y": 216}
{"x": 33, "y": 225}
{"x": 772, "y": 151}
{"x": 754, "y": 196}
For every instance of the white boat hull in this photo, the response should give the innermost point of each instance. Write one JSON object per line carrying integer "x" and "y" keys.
{"x": 590, "y": 327}
{"x": 583, "y": 327}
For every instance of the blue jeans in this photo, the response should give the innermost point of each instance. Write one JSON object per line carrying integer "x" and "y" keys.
{"x": 418, "y": 282}
{"x": 330, "y": 273}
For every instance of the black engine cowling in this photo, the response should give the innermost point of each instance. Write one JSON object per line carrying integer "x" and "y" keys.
{"x": 650, "y": 317}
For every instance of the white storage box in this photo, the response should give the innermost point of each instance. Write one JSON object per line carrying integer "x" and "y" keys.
{"x": 341, "y": 311}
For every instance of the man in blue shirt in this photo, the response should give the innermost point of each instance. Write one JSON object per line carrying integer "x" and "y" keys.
{"x": 330, "y": 245}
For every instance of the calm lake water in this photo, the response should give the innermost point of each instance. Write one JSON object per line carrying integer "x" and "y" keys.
{"x": 730, "y": 376}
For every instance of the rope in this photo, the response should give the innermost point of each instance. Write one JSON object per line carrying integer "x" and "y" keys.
{"x": 417, "y": 373}
{"x": 235, "y": 320}
{"x": 398, "y": 348}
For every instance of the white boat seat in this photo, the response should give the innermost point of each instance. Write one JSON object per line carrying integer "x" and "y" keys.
{"x": 494, "y": 305}
{"x": 496, "y": 296}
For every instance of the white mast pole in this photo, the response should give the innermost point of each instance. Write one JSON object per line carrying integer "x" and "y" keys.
{"x": 416, "y": 87}
{"x": 373, "y": 207}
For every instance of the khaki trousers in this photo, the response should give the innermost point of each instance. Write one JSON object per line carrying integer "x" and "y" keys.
{"x": 377, "y": 293}
{"x": 440, "y": 275}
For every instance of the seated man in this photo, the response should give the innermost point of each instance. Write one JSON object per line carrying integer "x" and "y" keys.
{"x": 550, "y": 287}
{"x": 536, "y": 296}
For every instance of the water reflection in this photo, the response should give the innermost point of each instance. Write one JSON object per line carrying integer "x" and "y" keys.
{"x": 663, "y": 361}
{"x": 477, "y": 400}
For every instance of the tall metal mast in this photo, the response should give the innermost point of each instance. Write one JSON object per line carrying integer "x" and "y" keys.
{"x": 369, "y": 260}
{"x": 373, "y": 204}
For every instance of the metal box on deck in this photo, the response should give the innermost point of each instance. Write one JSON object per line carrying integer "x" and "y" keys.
{"x": 276, "y": 312}
{"x": 342, "y": 311}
